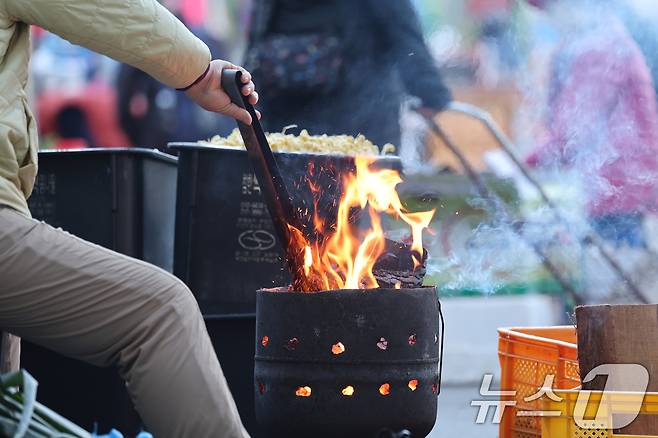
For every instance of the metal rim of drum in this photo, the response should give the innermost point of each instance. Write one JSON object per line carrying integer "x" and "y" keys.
{"x": 347, "y": 362}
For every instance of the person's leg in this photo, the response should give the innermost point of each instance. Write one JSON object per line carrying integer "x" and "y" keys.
{"x": 93, "y": 304}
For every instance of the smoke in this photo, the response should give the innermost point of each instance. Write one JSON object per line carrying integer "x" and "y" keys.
{"x": 484, "y": 264}
{"x": 589, "y": 121}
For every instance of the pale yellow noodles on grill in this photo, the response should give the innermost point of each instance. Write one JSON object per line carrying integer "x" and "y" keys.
{"x": 304, "y": 142}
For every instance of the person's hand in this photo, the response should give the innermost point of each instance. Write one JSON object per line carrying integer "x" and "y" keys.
{"x": 209, "y": 95}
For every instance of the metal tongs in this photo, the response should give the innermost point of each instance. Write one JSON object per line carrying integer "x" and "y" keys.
{"x": 273, "y": 187}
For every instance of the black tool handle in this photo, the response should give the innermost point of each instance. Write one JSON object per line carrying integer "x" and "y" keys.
{"x": 273, "y": 187}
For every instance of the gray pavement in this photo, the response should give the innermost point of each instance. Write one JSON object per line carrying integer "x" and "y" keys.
{"x": 456, "y": 416}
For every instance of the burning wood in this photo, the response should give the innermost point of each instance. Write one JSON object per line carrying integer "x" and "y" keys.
{"x": 346, "y": 257}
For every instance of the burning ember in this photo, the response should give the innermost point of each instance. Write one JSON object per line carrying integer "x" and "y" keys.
{"x": 413, "y": 384}
{"x": 343, "y": 257}
{"x": 385, "y": 389}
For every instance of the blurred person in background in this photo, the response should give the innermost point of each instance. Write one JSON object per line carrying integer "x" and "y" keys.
{"x": 85, "y": 301}
{"x": 341, "y": 67}
{"x": 601, "y": 117}
{"x": 152, "y": 114}
{"x": 66, "y": 77}
{"x": 495, "y": 52}
{"x": 72, "y": 129}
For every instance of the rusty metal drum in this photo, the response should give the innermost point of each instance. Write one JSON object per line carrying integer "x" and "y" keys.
{"x": 348, "y": 363}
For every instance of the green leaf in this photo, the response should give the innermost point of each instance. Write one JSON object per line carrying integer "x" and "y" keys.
{"x": 21, "y": 416}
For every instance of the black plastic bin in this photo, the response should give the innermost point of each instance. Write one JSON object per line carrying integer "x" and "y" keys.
{"x": 123, "y": 199}
{"x": 234, "y": 340}
{"x": 225, "y": 246}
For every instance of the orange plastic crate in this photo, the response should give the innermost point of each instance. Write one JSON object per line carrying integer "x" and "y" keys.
{"x": 527, "y": 356}
{"x": 598, "y": 405}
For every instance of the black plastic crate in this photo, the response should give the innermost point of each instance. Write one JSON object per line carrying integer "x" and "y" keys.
{"x": 123, "y": 199}
{"x": 225, "y": 245}
{"x": 234, "y": 339}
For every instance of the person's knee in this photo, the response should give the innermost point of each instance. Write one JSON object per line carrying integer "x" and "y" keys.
{"x": 179, "y": 300}
{"x": 173, "y": 316}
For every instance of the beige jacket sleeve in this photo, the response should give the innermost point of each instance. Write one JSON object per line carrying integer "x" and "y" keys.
{"x": 138, "y": 32}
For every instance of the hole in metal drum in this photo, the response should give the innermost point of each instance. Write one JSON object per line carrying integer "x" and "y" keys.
{"x": 292, "y": 344}
{"x": 338, "y": 348}
{"x": 348, "y": 391}
{"x": 303, "y": 391}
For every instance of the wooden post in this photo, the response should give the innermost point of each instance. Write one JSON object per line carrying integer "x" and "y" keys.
{"x": 620, "y": 334}
{"x": 10, "y": 352}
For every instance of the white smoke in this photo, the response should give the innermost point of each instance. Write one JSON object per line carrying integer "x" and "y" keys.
{"x": 492, "y": 255}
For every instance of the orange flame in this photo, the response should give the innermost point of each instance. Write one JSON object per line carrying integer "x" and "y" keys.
{"x": 346, "y": 257}
{"x": 413, "y": 384}
{"x": 385, "y": 389}
{"x": 308, "y": 259}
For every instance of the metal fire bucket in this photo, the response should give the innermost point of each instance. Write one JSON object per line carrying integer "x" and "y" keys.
{"x": 348, "y": 363}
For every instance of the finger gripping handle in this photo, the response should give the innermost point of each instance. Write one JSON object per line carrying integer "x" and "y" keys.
{"x": 232, "y": 85}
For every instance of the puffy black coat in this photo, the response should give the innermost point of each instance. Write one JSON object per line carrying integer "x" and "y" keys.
{"x": 385, "y": 58}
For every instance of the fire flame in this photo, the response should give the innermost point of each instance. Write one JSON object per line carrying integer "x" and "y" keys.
{"x": 346, "y": 256}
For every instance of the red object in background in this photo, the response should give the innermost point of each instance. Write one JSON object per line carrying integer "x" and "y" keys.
{"x": 602, "y": 121}
{"x": 37, "y": 32}
{"x": 486, "y": 8}
{"x": 97, "y": 101}
{"x": 71, "y": 143}
{"x": 194, "y": 11}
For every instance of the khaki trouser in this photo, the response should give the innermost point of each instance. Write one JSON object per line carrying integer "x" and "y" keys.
{"x": 92, "y": 304}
